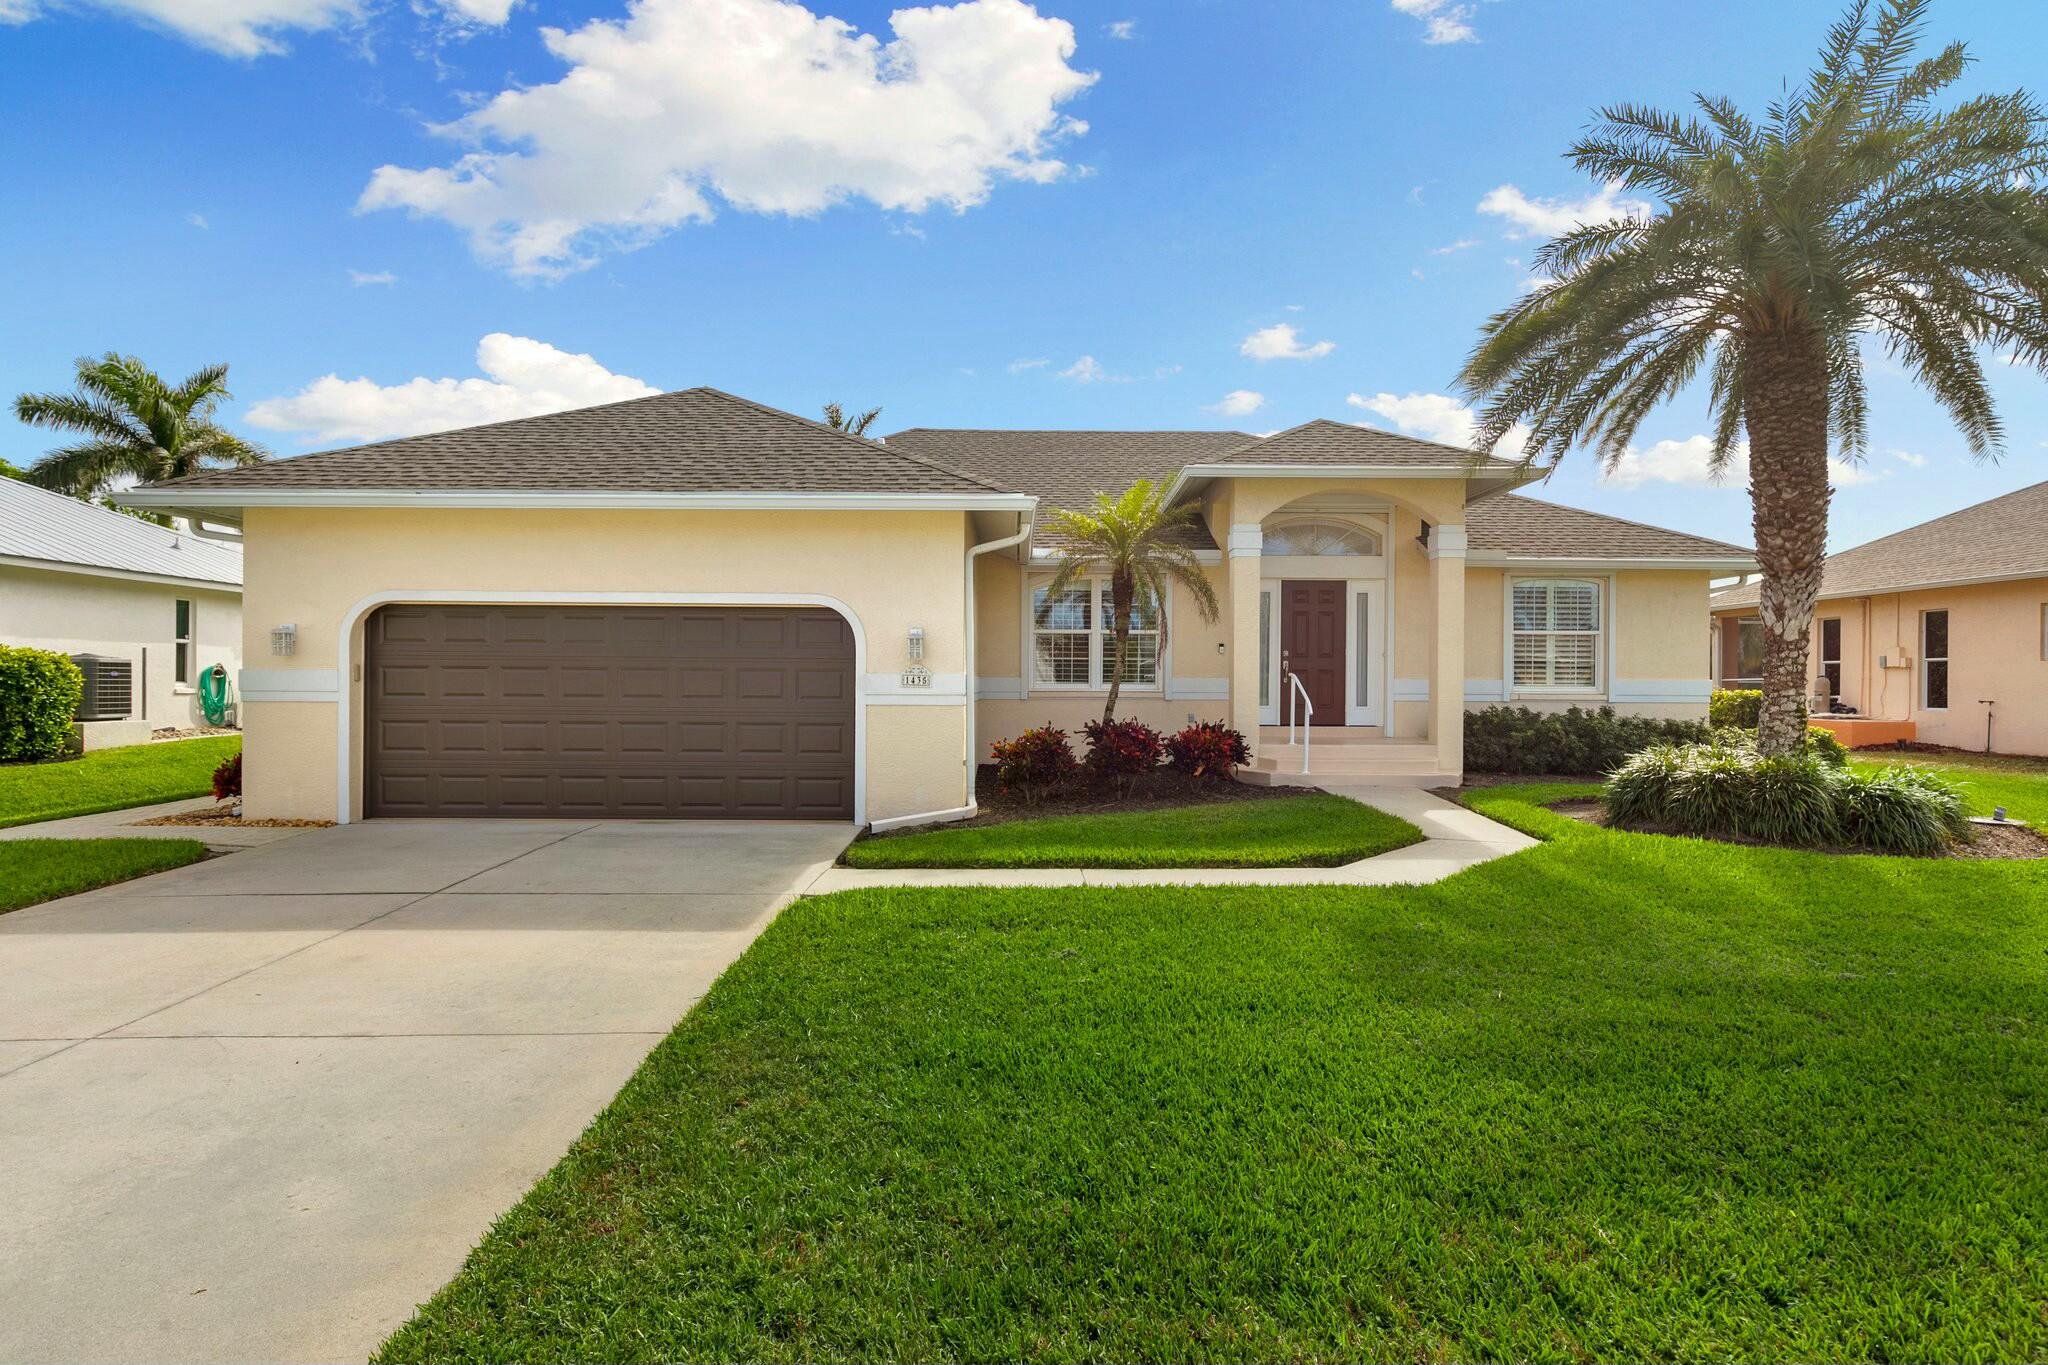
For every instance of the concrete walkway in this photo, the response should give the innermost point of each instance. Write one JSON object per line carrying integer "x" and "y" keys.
{"x": 1454, "y": 839}
{"x": 126, "y": 824}
{"x": 257, "y": 1108}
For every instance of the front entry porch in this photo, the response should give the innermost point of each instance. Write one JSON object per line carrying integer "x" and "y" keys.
{"x": 1355, "y": 755}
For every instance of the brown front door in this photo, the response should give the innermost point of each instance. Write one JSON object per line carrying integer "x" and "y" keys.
{"x": 1312, "y": 645}
{"x": 618, "y": 712}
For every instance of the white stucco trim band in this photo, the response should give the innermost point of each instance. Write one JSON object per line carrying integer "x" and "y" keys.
{"x": 289, "y": 684}
{"x": 1699, "y": 690}
{"x": 1198, "y": 689}
{"x": 888, "y": 689}
{"x": 344, "y": 750}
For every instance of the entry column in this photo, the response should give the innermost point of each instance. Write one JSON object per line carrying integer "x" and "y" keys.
{"x": 1246, "y": 542}
{"x": 1447, "y": 659}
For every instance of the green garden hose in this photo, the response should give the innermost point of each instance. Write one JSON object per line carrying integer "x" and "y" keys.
{"x": 216, "y": 695}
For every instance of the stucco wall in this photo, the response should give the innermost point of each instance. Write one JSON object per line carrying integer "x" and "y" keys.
{"x": 1656, "y": 659}
{"x": 87, "y": 614}
{"x": 892, "y": 571}
{"x": 1995, "y": 652}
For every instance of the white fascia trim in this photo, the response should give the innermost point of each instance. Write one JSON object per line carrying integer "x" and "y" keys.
{"x": 1931, "y": 586}
{"x": 125, "y": 575}
{"x": 1580, "y": 564}
{"x": 289, "y": 684}
{"x": 238, "y": 499}
{"x": 345, "y": 764}
{"x": 930, "y": 817}
{"x": 1044, "y": 557}
{"x": 1323, "y": 471}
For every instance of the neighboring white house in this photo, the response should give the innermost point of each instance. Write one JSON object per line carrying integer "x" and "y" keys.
{"x": 79, "y": 579}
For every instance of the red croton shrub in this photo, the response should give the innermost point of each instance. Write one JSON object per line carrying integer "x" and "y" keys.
{"x": 227, "y": 778}
{"x": 1033, "y": 763}
{"x": 1121, "y": 751}
{"x": 1211, "y": 749}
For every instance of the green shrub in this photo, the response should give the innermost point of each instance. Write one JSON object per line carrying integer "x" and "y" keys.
{"x": 1820, "y": 744}
{"x": 1727, "y": 788}
{"x": 39, "y": 692}
{"x": 1741, "y": 707}
{"x": 1515, "y": 739}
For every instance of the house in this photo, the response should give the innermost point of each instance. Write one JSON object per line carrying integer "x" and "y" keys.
{"x": 1938, "y": 633}
{"x": 694, "y": 605}
{"x": 80, "y": 579}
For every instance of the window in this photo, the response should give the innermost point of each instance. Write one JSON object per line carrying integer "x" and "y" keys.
{"x": 1557, "y": 634}
{"x": 2044, "y": 632}
{"x": 1266, "y": 644}
{"x": 182, "y": 673}
{"x": 1073, "y": 639}
{"x": 1934, "y": 660}
{"x": 1831, "y": 655}
{"x": 1319, "y": 539}
{"x": 1749, "y": 651}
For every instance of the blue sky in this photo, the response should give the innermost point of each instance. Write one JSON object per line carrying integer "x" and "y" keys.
{"x": 1016, "y": 235}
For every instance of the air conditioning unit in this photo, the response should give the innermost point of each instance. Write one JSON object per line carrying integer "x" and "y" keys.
{"x": 109, "y": 687}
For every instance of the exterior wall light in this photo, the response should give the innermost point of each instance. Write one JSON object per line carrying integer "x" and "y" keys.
{"x": 916, "y": 643}
{"x": 284, "y": 639}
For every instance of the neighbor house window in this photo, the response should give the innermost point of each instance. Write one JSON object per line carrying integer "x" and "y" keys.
{"x": 1557, "y": 633}
{"x": 1749, "y": 650}
{"x": 182, "y": 639}
{"x": 1073, "y": 639}
{"x": 1831, "y": 655}
{"x": 1934, "y": 660}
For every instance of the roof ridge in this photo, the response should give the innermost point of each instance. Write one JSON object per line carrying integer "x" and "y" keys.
{"x": 1070, "y": 431}
{"x": 1628, "y": 521}
{"x": 1936, "y": 521}
{"x": 861, "y": 441}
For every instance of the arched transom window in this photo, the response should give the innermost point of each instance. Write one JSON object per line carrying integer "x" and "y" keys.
{"x": 1319, "y": 539}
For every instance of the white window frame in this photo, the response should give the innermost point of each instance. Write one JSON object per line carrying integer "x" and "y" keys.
{"x": 1946, "y": 657}
{"x": 1603, "y": 635}
{"x": 184, "y": 651}
{"x": 1100, "y": 638}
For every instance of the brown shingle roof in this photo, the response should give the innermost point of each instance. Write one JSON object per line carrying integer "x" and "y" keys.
{"x": 1324, "y": 442}
{"x": 693, "y": 441}
{"x": 2006, "y": 537}
{"x": 1514, "y": 525}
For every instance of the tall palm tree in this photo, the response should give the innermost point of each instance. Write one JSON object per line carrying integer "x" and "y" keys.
{"x": 134, "y": 424}
{"x": 1853, "y": 211}
{"x": 856, "y": 425}
{"x": 1136, "y": 542}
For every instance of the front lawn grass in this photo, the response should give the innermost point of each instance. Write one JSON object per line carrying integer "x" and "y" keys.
{"x": 1617, "y": 1097}
{"x": 1987, "y": 780}
{"x": 1296, "y": 831}
{"x": 33, "y": 870}
{"x": 111, "y": 779}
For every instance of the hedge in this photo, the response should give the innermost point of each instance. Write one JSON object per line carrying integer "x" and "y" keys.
{"x": 1515, "y": 739}
{"x": 1735, "y": 707}
{"x": 39, "y": 694}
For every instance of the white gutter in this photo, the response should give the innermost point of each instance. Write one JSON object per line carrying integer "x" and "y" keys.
{"x": 975, "y": 552}
{"x": 1513, "y": 474}
{"x": 236, "y": 499}
{"x": 1566, "y": 563}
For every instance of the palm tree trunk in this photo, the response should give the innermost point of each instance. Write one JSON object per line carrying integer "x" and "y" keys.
{"x": 1785, "y": 407}
{"x": 1122, "y": 588}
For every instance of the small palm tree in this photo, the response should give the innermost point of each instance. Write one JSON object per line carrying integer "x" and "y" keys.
{"x": 135, "y": 426}
{"x": 1853, "y": 211}
{"x": 1136, "y": 542}
{"x": 856, "y": 425}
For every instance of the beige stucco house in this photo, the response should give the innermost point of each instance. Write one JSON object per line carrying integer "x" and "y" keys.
{"x": 79, "y": 579}
{"x": 1938, "y": 633}
{"x": 695, "y": 605}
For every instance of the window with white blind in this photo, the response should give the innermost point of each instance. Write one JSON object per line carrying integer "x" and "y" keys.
{"x": 1073, "y": 639}
{"x": 1556, "y": 632}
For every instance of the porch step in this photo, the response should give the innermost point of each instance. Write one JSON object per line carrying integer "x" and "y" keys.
{"x": 1393, "y": 763}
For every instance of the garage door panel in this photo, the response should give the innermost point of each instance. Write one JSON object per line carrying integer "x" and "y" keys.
{"x": 590, "y": 711}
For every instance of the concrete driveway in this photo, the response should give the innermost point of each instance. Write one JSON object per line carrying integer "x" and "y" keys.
{"x": 258, "y": 1108}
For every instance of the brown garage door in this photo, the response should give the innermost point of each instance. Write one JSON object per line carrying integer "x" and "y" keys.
{"x": 618, "y": 712}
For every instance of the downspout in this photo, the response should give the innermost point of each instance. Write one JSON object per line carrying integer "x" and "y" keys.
{"x": 975, "y": 552}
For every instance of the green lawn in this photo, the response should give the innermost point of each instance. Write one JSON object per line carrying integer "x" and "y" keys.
{"x": 1618, "y": 1097}
{"x": 34, "y": 870}
{"x": 2019, "y": 784}
{"x": 1294, "y": 831}
{"x": 111, "y": 779}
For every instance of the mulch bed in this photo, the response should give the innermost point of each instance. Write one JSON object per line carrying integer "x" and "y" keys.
{"x": 1999, "y": 842}
{"x": 1163, "y": 790}
{"x": 230, "y": 814}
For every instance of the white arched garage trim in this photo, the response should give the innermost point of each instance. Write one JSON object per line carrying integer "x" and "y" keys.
{"x": 345, "y": 652}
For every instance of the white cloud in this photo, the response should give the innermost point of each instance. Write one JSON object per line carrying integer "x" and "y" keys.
{"x": 1687, "y": 462}
{"x": 362, "y": 277}
{"x": 521, "y": 378}
{"x": 1437, "y": 417}
{"x": 1019, "y": 366}
{"x": 198, "y": 220}
{"x": 1282, "y": 342}
{"x": 1089, "y": 370}
{"x": 1453, "y": 248}
{"x": 1909, "y": 458}
{"x": 1122, "y": 29}
{"x": 1238, "y": 403}
{"x": 256, "y": 28}
{"x": 1528, "y": 217}
{"x": 757, "y": 105}
{"x": 1443, "y": 21}
{"x": 17, "y": 11}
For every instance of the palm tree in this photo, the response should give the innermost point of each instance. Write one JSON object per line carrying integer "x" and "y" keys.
{"x": 856, "y": 425}
{"x": 134, "y": 425}
{"x": 1853, "y": 211}
{"x": 1137, "y": 542}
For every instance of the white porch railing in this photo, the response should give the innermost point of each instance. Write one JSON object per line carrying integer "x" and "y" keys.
{"x": 1308, "y": 714}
